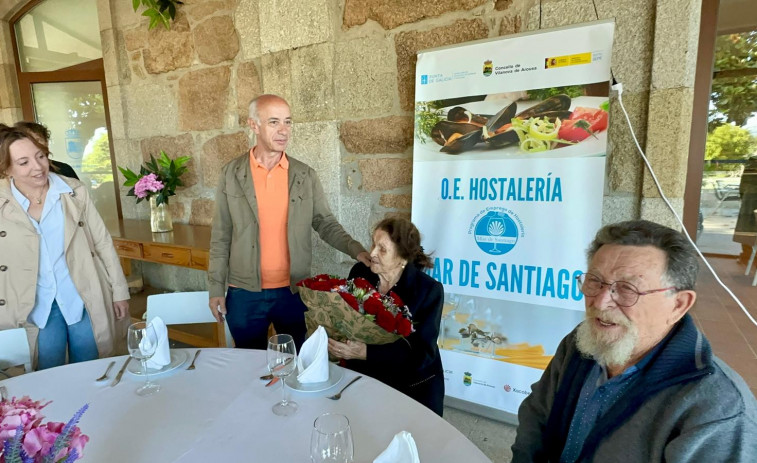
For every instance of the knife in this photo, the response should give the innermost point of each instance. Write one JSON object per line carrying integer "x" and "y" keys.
{"x": 120, "y": 372}
{"x": 276, "y": 368}
{"x": 273, "y": 381}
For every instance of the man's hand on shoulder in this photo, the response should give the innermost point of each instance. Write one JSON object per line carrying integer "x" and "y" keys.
{"x": 365, "y": 258}
{"x": 218, "y": 307}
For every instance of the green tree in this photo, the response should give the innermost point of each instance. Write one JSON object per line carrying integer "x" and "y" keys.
{"x": 96, "y": 162}
{"x": 734, "y": 92}
{"x": 728, "y": 141}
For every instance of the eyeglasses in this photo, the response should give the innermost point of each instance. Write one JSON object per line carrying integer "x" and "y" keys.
{"x": 623, "y": 293}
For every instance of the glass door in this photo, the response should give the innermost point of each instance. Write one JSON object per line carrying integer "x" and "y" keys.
{"x": 729, "y": 183}
{"x": 62, "y": 86}
{"x": 74, "y": 113}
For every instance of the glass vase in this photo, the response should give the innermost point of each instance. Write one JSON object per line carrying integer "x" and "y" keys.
{"x": 160, "y": 217}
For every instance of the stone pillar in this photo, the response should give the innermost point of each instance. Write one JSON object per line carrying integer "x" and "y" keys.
{"x": 676, "y": 38}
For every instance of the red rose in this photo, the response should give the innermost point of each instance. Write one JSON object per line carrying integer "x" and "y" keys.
{"x": 373, "y": 306}
{"x": 338, "y": 282}
{"x": 350, "y": 299}
{"x": 320, "y": 286}
{"x": 386, "y": 320}
{"x": 362, "y": 283}
{"x": 404, "y": 327}
{"x": 396, "y": 299}
{"x": 376, "y": 295}
{"x": 322, "y": 277}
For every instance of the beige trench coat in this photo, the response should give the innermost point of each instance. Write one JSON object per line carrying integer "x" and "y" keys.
{"x": 90, "y": 255}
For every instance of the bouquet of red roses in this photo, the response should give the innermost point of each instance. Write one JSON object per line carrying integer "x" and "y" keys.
{"x": 354, "y": 309}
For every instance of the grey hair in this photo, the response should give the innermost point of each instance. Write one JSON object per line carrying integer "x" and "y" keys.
{"x": 253, "y": 111}
{"x": 682, "y": 263}
{"x": 253, "y": 108}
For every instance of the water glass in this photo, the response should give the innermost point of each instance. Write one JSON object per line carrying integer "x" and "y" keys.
{"x": 143, "y": 342}
{"x": 331, "y": 440}
{"x": 282, "y": 356}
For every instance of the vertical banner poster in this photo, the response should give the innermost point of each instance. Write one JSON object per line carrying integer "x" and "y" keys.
{"x": 508, "y": 180}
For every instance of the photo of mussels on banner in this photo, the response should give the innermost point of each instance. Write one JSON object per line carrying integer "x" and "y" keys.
{"x": 508, "y": 183}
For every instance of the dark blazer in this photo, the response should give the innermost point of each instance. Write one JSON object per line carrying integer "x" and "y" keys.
{"x": 412, "y": 365}
{"x": 64, "y": 169}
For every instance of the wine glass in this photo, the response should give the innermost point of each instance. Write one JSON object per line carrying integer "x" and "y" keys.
{"x": 143, "y": 341}
{"x": 331, "y": 440}
{"x": 282, "y": 354}
{"x": 451, "y": 301}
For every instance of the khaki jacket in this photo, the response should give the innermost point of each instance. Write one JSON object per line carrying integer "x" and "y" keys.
{"x": 90, "y": 255}
{"x": 235, "y": 241}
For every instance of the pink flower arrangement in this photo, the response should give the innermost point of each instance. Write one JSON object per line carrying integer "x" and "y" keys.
{"x": 146, "y": 185}
{"x": 157, "y": 178}
{"x": 23, "y": 412}
{"x": 25, "y": 439}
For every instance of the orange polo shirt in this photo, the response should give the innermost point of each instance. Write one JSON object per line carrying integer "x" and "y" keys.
{"x": 272, "y": 193}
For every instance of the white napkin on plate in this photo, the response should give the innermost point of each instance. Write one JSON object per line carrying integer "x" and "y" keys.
{"x": 162, "y": 356}
{"x": 313, "y": 361}
{"x": 402, "y": 449}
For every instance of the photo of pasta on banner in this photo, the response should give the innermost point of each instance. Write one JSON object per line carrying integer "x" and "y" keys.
{"x": 476, "y": 331}
{"x": 354, "y": 309}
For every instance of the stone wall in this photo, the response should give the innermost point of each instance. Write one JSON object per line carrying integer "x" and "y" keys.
{"x": 347, "y": 68}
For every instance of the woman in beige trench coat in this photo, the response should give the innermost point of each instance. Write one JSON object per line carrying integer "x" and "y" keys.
{"x": 60, "y": 277}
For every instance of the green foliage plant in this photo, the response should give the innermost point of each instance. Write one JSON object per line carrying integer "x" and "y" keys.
{"x": 729, "y": 141}
{"x": 734, "y": 89}
{"x": 167, "y": 170}
{"x": 159, "y": 11}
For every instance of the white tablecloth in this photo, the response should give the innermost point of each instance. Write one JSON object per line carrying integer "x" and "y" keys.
{"x": 222, "y": 412}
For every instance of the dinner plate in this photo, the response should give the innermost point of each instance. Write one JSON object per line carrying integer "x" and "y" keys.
{"x": 178, "y": 358}
{"x": 335, "y": 375}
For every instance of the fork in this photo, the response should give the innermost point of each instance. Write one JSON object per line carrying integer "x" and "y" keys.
{"x": 105, "y": 375}
{"x": 338, "y": 395}
{"x": 192, "y": 366}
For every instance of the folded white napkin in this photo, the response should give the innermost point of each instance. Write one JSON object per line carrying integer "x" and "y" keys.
{"x": 313, "y": 361}
{"x": 402, "y": 449}
{"x": 162, "y": 356}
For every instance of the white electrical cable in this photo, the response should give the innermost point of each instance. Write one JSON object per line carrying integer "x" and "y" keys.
{"x": 619, "y": 88}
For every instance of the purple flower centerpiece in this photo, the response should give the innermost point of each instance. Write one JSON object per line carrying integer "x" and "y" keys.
{"x": 157, "y": 181}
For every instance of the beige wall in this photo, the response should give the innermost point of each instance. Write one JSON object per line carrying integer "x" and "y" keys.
{"x": 347, "y": 68}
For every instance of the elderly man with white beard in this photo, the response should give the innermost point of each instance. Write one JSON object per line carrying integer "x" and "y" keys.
{"x": 636, "y": 381}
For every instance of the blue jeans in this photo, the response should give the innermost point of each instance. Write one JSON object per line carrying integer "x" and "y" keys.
{"x": 53, "y": 338}
{"x": 250, "y": 313}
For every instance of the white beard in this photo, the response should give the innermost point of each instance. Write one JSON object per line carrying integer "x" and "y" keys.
{"x": 607, "y": 350}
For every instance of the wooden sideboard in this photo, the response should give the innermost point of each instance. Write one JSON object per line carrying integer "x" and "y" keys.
{"x": 185, "y": 246}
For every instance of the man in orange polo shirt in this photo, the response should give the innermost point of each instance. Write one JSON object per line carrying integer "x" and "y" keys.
{"x": 260, "y": 247}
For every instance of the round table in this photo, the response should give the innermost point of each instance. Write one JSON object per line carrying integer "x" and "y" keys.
{"x": 221, "y": 411}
